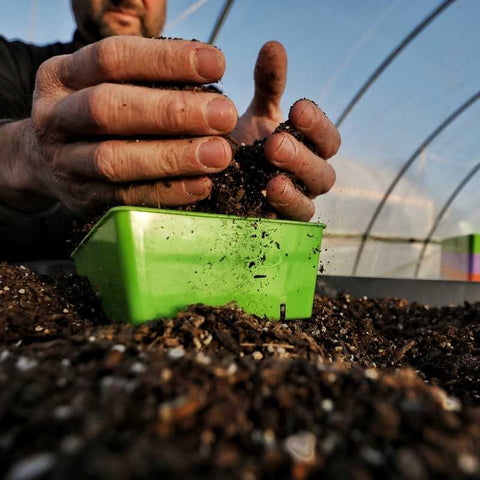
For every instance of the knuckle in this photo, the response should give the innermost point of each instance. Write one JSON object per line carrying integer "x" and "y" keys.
{"x": 123, "y": 196}
{"x": 171, "y": 160}
{"x": 135, "y": 195}
{"x": 46, "y": 76}
{"x": 99, "y": 103}
{"x": 175, "y": 113}
{"x": 46, "y": 96}
{"x": 104, "y": 161}
{"x": 44, "y": 122}
{"x": 152, "y": 195}
{"x": 107, "y": 54}
{"x": 39, "y": 117}
{"x": 55, "y": 162}
{"x": 166, "y": 60}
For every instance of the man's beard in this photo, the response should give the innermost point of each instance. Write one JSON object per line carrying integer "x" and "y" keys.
{"x": 99, "y": 28}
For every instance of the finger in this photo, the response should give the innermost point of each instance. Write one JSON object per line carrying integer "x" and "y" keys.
{"x": 288, "y": 201}
{"x": 131, "y": 161}
{"x": 84, "y": 197}
{"x": 288, "y": 154}
{"x": 315, "y": 125}
{"x": 134, "y": 59}
{"x": 111, "y": 109}
{"x": 270, "y": 79}
{"x": 168, "y": 194}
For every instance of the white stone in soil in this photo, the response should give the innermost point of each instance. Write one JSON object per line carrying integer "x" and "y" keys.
{"x": 4, "y": 355}
{"x": 327, "y": 405}
{"x": 24, "y": 364}
{"x": 31, "y": 467}
{"x": 176, "y": 353}
{"x": 62, "y": 412}
{"x": 301, "y": 447}
{"x": 469, "y": 463}
{"x": 138, "y": 367}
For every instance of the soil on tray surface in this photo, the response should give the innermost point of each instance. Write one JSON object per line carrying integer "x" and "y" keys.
{"x": 364, "y": 389}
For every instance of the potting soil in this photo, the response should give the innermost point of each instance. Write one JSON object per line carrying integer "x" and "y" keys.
{"x": 364, "y": 389}
{"x": 240, "y": 189}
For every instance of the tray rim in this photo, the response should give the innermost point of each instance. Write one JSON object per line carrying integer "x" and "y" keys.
{"x": 112, "y": 211}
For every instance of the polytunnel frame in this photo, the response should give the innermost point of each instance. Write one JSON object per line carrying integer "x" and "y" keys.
{"x": 378, "y": 71}
{"x": 453, "y": 116}
{"x": 391, "y": 57}
{"x": 220, "y": 20}
{"x": 357, "y": 97}
{"x": 441, "y": 214}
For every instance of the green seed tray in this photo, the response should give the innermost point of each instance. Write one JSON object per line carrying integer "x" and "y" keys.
{"x": 147, "y": 263}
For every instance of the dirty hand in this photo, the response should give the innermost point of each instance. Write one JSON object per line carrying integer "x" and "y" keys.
{"x": 283, "y": 150}
{"x": 96, "y": 138}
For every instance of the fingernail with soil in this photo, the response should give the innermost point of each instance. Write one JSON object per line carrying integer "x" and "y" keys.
{"x": 221, "y": 114}
{"x": 197, "y": 187}
{"x": 212, "y": 154}
{"x": 207, "y": 64}
{"x": 307, "y": 117}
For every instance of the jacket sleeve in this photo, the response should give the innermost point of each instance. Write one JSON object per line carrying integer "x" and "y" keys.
{"x": 16, "y": 86}
{"x": 38, "y": 234}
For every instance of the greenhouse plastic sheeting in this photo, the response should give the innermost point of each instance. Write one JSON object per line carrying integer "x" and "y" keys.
{"x": 333, "y": 48}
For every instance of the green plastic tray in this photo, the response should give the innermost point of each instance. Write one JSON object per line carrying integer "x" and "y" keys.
{"x": 147, "y": 263}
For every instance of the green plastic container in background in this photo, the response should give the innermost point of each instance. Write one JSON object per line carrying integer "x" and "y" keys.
{"x": 147, "y": 263}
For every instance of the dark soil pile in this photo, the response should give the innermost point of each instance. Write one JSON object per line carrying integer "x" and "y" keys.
{"x": 240, "y": 189}
{"x": 358, "y": 391}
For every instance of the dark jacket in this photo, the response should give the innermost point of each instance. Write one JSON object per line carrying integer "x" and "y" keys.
{"x": 24, "y": 237}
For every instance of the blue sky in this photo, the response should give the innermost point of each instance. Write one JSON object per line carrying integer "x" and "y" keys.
{"x": 333, "y": 46}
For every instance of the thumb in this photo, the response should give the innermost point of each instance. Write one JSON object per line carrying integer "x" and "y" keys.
{"x": 270, "y": 79}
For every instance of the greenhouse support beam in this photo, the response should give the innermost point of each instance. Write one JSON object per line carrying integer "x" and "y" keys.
{"x": 441, "y": 214}
{"x": 220, "y": 21}
{"x": 405, "y": 167}
{"x": 391, "y": 57}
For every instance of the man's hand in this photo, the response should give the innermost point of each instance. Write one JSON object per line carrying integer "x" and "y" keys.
{"x": 281, "y": 149}
{"x": 95, "y": 138}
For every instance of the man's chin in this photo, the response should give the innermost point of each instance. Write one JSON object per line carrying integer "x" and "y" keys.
{"x": 116, "y": 25}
